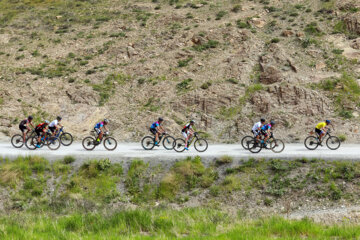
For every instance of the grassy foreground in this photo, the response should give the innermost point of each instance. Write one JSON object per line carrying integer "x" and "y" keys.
{"x": 166, "y": 224}
{"x": 135, "y": 200}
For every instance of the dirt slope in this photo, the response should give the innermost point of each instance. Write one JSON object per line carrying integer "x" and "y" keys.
{"x": 222, "y": 63}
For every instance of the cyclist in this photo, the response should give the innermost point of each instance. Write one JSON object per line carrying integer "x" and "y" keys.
{"x": 321, "y": 128}
{"x": 266, "y": 130}
{"x": 99, "y": 129}
{"x": 24, "y": 125}
{"x": 40, "y": 131}
{"x": 53, "y": 126}
{"x": 157, "y": 129}
{"x": 257, "y": 128}
{"x": 188, "y": 132}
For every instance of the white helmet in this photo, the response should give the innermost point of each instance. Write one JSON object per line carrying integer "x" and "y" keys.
{"x": 106, "y": 120}
{"x": 47, "y": 122}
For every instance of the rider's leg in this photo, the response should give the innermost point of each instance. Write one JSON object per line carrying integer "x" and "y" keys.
{"x": 156, "y": 137}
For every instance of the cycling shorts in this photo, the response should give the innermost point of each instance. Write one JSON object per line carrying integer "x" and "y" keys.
{"x": 97, "y": 130}
{"x": 52, "y": 129}
{"x": 153, "y": 130}
{"x": 22, "y": 128}
{"x": 318, "y": 131}
{"x": 39, "y": 132}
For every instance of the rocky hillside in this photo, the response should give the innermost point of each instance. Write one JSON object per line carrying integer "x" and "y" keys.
{"x": 223, "y": 63}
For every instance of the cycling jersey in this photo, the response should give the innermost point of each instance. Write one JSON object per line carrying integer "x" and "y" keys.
{"x": 266, "y": 127}
{"x": 256, "y": 126}
{"x": 155, "y": 125}
{"x": 99, "y": 125}
{"x": 321, "y": 125}
{"x": 186, "y": 127}
{"x": 54, "y": 123}
{"x": 24, "y": 122}
{"x": 41, "y": 126}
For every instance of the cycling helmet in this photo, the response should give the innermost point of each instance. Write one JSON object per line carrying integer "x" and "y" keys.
{"x": 47, "y": 122}
{"x": 272, "y": 122}
{"x": 160, "y": 119}
{"x": 106, "y": 120}
{"x": 262, "y": 120}
{"x": 30, "y": 117}
{"x": 58, "y": 118}
{"x": 192, "y": 121}
{"x": 328, "y": 121}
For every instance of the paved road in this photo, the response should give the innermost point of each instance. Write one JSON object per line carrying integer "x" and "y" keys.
{"x": 127, "y": 151}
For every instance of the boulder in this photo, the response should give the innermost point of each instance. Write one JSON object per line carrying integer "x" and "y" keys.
{"x": 270, "y": 75}
{"x": 287, "y": 33}
{"x": 352, "y": 22}
{"x": 355, "y": 44}
{"x": 257, "y": 22}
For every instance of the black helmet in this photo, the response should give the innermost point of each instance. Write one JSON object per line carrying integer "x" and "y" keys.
{"x": 58, "y": 118}
{"x": 160, "y": 119}
{"x": 272, "y": 122}
{"x": 262, "y": 120}
{"x": 192, "y": 121}
{"x": 30, "y": 117}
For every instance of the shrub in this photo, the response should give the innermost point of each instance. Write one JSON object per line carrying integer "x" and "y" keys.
{"x": 220, "y": 15}
{"x": 342, "y": 138}
{"x": 313, "y": 29}
{"x": 184, "y": 85}
{"x": 232, "y": 80}
{"x": 241, "y": 24}
{"x": 206, "y": 85}
{"x": 236, "y": 8}
{"x": 184, "y": 63}
{"x": 69, "y": 159}
{"x": 209, "y": 44}
{"x": 275, "y": 40}
{"x": 224, "y": 160}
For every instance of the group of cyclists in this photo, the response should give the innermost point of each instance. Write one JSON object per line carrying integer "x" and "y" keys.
{"x": 261, "y": 130}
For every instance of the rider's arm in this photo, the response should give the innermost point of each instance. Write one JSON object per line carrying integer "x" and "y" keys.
{"x": 106, "y": 128}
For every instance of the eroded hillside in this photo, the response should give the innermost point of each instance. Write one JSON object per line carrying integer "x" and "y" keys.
{"x": 222, "y": 63}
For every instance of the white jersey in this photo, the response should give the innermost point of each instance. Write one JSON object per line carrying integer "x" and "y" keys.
{"x": 53, "y": 123}
{"x": 256, "y": 126}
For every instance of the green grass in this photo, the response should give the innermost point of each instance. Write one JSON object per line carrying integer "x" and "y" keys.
{"x": 192, "y": 223}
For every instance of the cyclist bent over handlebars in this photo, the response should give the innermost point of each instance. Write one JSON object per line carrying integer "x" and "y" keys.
{"x": 188, "y": 132}
{"x": 24, "y": 125}
{"x": 157, "y": 129}
{"x": 99, "y": 130}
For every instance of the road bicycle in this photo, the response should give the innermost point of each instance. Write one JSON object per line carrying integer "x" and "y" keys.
{"x": 66, "y": 138}
{"x": 90, "y": 142}
{"x": 273, "y": 144}
{"x": 148, "y": 142}
{"x": 245, "y": 141}
{"x": 17, "y": 139}
{"x": 332, "y": 142}
{"x": 200, "y": 144}
{"x": 52, "y": 142}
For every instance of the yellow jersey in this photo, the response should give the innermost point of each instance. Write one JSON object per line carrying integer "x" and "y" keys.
{"x": 321, "y": 125}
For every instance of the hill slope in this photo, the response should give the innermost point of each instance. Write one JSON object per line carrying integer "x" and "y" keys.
{"x": 222, "y": 63}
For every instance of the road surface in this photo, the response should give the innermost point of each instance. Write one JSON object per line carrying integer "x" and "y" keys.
{"x": 126, "y": 151}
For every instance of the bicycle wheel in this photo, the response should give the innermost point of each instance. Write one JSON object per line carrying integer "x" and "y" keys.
{"x": 201, "y": 145}
{"x": 333, "y": 143}
{"x": 254, "y": 146}
{"x": 88, "y": 143}
{"x": 66, "y": 139}
{"x": 53, "y": 143}
{"x": 110, "y": 143}
{"x": 169, "y": 142}
{"x": 31, "y": 142}
{"x": 311, "y": 142}
{"x": 17, "y": 141}
{"x": 245, "y": 142}
{"x": 148, "y": 143}
{"x": 179, "y": 145}
{"x": 277, "y": 146}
